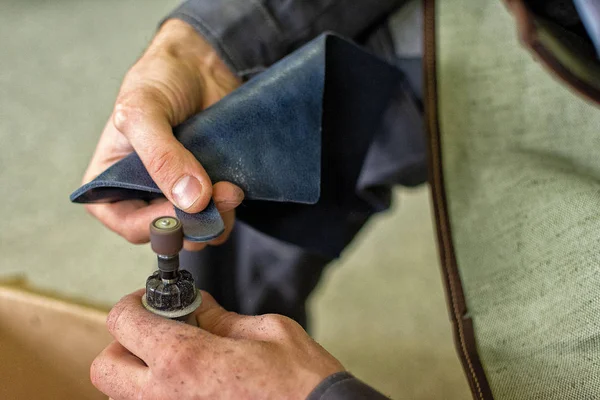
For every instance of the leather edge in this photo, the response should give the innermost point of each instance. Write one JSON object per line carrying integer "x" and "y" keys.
{"x": 527, "y": 32}
{"x": 462, "y": 324}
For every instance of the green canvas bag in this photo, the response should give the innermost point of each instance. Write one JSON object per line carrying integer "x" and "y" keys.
{"x": 515, "y": 182}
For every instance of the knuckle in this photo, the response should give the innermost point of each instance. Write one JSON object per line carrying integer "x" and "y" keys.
{"x": 220, "y": 240}
{"x": 138, "y": 240}
{"x": 229, "y": 219}
{"x": 133, "y": 236}
{"x": 279, "y": 324}
{"x": 125, "y": 115}
{"x": 177, "y": 359}
{"x": 114, "y": 317}
{"x": 207, "y": 297}
{"x": 193, "y": 246}
{"x": 224, "y": 323}
{"x": 136, "y": 104}
{"x": 89, "y": 208}
{"x": 96, "y": 372}
{"x": 133, "y": 230}
{"x": 163, "y": 364}
{"x": 127, "y": 235}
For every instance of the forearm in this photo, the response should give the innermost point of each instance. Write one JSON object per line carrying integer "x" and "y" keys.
{"x": 251, "y": 35}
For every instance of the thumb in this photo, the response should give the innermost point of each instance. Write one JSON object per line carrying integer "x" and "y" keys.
{"x": 145, "y": 122}
{"x": 215, "y": 319}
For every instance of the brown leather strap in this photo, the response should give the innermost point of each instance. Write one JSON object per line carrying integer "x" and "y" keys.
{"x": 462, "y": 324}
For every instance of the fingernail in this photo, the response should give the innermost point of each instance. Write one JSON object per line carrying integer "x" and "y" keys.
{"x": 186, "y": 191}
{"x": 239, "y": 193}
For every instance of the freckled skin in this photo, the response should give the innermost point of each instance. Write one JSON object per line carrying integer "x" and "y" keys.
{"x": 231, "y": 357}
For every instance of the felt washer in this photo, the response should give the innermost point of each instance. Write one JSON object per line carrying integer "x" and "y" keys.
{"x": 182, "y": 314}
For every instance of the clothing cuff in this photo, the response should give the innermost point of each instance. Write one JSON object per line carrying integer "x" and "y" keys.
{"x": 243, "y": 32}
{"x": 344, "y": 386}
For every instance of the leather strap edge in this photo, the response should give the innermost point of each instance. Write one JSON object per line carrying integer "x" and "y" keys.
{"x": 462, "y": 324}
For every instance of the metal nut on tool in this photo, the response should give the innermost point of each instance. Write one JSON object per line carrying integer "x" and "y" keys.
{"x": 170, "y": 292}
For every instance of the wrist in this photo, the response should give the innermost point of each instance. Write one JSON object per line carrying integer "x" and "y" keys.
{"x": 178, "y": 39}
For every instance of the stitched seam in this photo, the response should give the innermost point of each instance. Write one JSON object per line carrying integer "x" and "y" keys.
{"x": 457, "y": 314}
{"x": 451, "y": 282}
{"x": 456, "y": 311}
{"x": 461, "y": 333}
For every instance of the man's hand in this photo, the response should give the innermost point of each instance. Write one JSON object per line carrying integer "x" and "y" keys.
{"x": 179, "y": 75}
{"x": 229, "y": 357}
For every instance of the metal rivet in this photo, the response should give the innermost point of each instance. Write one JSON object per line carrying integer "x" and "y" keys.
{"x": 165, "y": 223}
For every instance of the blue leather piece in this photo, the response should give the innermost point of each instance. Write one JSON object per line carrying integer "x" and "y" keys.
{"x": 201, "y": 227}
{"x": 266, "y": 138}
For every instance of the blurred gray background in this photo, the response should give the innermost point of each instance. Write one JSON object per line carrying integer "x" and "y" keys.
{"x": 380, "y": 309}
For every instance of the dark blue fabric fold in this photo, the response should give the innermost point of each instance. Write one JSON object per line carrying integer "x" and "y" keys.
{"x": 294, "y": 138}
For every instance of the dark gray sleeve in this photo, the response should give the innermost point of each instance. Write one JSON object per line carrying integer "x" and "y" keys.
{"x": 250, "y": 35}
{"x": 343, "y": 386}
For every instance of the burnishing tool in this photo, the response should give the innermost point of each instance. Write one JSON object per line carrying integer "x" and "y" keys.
{"x": 170, "y": 291}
